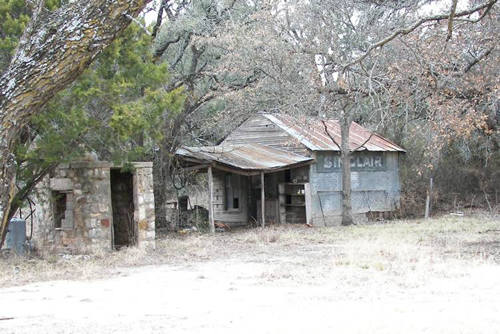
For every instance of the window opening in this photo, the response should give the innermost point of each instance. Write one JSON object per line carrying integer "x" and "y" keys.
{"x": 232, "y": 185}
{"x": 59, "y": 208}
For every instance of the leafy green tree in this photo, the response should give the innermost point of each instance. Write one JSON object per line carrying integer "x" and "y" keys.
{"x": 14, "y": 17}
{"x": 56, "y": 47}
{"x": 188, "y": 37}
{"x": 113, "y": 109}
{"x": 121, "y": 99}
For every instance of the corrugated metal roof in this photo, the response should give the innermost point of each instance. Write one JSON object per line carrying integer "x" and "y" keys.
{"x": 248, "y": 157}
{"x": 310, "y": 131}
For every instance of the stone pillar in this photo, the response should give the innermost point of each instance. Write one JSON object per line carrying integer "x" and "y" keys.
{"x": 144, "y": 204}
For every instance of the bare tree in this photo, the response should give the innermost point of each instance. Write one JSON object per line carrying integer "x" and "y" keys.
{"x": 331, "y": 58}
{"x": 445, "y": 104}
{"x": 185, "y": 41}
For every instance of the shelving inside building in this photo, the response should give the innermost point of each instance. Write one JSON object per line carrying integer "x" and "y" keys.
{"x": 292, "y": 199}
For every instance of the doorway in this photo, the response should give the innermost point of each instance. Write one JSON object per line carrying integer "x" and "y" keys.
{"x": 122, "y": 202}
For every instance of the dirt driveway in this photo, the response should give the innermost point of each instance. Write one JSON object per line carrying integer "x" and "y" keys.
{"x": 322, "y": 283}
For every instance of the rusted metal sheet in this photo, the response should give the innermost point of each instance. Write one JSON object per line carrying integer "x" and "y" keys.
{"x": 251, "y": 157}
{"x": 310, "y": 131}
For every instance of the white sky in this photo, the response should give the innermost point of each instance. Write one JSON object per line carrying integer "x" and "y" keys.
{"x": 443, "y": 6}
{"x": 151, "y": 12}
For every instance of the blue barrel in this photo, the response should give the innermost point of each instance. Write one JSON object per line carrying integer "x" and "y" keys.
{"x": 16, "y": 236}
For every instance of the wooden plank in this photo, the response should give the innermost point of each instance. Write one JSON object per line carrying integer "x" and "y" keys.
{"x": 307, "y": 191}
{"x": 211, "y": 200}
{"x": 188, "y": 169}
{"x": 282, "y": 201}
{"x": 262, "y": 199}
{"x": 260, "y": 130}
{"x": 234, "y": 170}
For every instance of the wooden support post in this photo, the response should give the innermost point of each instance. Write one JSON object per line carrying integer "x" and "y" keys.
{"x": 428, "y": 200}
{"x": 262, "y": 199}
{"x": 282, "y": 203}
{"x": 307, "y": 197}
{"x": 211, "y": 200}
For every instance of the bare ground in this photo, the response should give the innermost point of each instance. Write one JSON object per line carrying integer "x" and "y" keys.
{"x": 438, "y": 276}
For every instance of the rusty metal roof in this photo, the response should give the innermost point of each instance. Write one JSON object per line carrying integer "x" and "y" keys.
{"x": 252, "y": 157}
{"x": 310, "y": 131}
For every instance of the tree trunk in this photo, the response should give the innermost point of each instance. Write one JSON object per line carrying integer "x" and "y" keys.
{"x": 164, "y": 168}
{"x": 428, "y": 200}
{"x": 345, "y": 154}
{"x": 53, "y": 51}
{"x": 160, "y": 190}
{"x": 211, "y": 218}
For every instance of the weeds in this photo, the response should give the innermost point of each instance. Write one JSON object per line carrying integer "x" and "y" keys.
{"x": 403, "y": 248}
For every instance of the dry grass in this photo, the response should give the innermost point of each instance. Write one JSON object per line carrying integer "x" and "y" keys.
{"x": 407, "y": 252}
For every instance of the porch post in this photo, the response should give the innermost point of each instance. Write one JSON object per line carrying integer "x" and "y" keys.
{"x": 211, "y": 200}
{"x": 262, "y": 199}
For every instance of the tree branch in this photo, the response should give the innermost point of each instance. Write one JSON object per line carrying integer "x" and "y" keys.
{"x": 486, "y": 11}
{"x": 180, "y": 55}
{"x": 24, "y": 192}
{"x": 160, "y": 50}
{"x": 478, "y": 59}
{"x": 364, "y": 143}
{"x": 329, "y": 135}
{"x": 406, "y": 31}
{"x": 450, "y": 19}
{"x": 139, "y": 23}
{"x": 159, "y": 17}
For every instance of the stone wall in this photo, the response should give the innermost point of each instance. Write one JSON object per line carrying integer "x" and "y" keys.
{"x": 88, "y": 218}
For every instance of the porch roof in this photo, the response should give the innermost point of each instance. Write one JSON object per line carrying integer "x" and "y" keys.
{"x": 249, "y": 158}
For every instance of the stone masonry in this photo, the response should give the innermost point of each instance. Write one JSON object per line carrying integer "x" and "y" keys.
{"x": 88, "y": 217}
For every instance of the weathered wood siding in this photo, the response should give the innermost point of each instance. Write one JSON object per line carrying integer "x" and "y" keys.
{"x": 235, "y": 216}
{"x": 272, "y": 213}
{"x": 372, "y": 191}
{"x": 260, "y": 130}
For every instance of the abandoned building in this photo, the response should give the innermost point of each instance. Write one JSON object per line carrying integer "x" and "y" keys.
{"x": 95, "y": 205}
{"x": 276, "y": 168}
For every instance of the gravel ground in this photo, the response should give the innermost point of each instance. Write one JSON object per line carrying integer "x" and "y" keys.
{"x": 434, "y": 277}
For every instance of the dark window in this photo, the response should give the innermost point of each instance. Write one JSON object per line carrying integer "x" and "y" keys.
{"x": 232, "y": 185}
{"x": 288, "y": 175}
{"x": 59, "y": 208}
{"x": 183, "y": 203}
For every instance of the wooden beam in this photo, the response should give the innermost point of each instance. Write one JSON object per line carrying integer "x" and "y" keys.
{"x": 191, "y": 168}
{"x": 232, "y": 170}
{"x": 211, "y": 200}
{"x": 262, "y": 199}
{"x": 282, "y": 203}
{"x": 308, "y": 200}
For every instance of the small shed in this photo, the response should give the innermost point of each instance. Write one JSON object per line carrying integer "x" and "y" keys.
{"x": 275, "y": 168}
{"x": 95, "y": 205}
